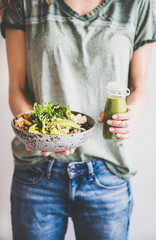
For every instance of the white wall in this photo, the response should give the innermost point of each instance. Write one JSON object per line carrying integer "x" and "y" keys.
{"x": 143, "y": 145}
{"x": 143, "y": 224}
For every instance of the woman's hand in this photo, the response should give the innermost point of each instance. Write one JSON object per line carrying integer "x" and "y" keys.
{"x": 46, "y": 154}
{"x": 122, "y": 124}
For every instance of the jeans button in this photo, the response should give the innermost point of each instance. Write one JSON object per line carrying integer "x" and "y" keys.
{"x": 73, "y": 169}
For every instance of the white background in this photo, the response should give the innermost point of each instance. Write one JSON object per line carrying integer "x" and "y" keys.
{"x": 143, "y": 144}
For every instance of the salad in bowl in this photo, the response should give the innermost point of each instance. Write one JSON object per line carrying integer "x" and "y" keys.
{"x": 52, "y": 127}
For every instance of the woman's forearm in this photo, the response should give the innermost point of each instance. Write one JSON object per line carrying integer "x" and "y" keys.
{"x": 138, "y": 75}
{"x": 137, "y": 101}
{"x": 19, "y": 101}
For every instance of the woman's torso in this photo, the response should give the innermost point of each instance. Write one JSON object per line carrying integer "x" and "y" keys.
{"x": 71, "y": 58}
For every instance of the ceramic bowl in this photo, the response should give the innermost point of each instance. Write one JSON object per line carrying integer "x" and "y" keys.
{"x": 54, "y": 143}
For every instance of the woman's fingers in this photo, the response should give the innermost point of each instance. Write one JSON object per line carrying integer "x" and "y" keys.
{"x": 119, "y": 124}
{"x": 72, "y": 150}
{"x": 119, "y": 130}
{"x": 123, "y": 136}
{"x": 28, "y": 148}
{"x": 100, "y": 120}
{"x": 123, "y": 129}
{"x": 67, "y": 152}
{"x": 124, "y": 116}
{"x": 46, "y": 154}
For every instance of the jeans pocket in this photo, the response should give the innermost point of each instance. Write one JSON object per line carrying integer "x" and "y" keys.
{"x": 30, "y": 176}
{"x": 101, "y": 184}
{"x": 106, "y": 179}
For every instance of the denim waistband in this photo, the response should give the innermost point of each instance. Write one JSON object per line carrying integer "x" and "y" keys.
{"x": 73, "y": 169}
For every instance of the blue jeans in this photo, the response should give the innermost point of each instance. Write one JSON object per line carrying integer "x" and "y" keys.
{"x": 43, "y": 197}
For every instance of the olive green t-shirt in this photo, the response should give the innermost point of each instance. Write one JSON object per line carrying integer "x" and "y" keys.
{"x": 70, "y": 60}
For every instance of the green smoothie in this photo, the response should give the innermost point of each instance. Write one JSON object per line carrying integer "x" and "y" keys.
{"x": 114, "y": 104}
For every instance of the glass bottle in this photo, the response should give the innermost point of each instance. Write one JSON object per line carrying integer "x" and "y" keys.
{"x": 116, "y": 103}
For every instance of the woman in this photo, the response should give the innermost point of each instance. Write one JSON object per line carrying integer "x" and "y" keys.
{"x": 66, "y": 52}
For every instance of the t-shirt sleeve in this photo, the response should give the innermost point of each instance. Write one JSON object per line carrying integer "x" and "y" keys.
{"x": 146, "y": 24}
{"x": 13, "y": 16}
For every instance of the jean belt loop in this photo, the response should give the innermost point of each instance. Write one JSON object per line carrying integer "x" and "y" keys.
{"x": 90, "y": 170}
{"x": 49, "y": 167}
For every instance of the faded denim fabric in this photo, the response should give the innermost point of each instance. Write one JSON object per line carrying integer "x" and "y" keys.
{"x": 70, "y": 60}
{"x": 43, "y": 197}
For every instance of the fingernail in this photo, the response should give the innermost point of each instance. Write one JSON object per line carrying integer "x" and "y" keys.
{"x": 46, "y": 154}
{"x": 28, "y": 148}
{"x": 114, "y": 117}
{"x": 111, "y": 129}
{"x": 67, "y": 152}
{"x": 109, "y": 122}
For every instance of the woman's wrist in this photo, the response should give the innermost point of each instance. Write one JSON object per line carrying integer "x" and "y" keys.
{"x": 133, "y": 109}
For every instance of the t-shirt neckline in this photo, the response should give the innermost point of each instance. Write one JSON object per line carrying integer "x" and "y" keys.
{"x": 70, "y": 12}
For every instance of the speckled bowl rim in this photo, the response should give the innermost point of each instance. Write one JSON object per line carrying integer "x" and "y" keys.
{"x": 33, "y": 134}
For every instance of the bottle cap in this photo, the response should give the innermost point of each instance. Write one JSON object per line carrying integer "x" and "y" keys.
{"x": 117, "y": 89}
